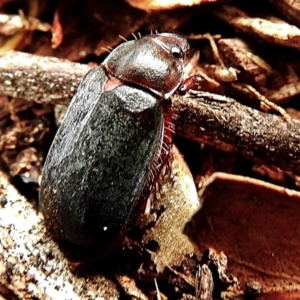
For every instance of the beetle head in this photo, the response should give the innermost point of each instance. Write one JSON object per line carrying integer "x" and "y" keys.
{"x": 154, "y": 62}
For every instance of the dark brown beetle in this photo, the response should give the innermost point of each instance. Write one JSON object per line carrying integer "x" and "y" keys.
{"x": 100, "y": 162}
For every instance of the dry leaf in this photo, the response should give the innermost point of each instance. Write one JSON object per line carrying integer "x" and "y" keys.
{"x": 257, "y": 225}
{"x": 149, "y": 5}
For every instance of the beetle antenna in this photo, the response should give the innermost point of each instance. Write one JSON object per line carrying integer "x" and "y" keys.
{"x": 122, "y": 37}
{"x": 135, "y": 37}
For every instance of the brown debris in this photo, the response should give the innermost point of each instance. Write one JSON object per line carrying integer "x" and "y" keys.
{"x": 57, "y": 31}
{"x": 212, "y": 276}
{"x": 89, "y": 32}
{"x": 254, "y": 223}
{"x": 267, "y": 28}
{"x": 204, "y": 283}
{"x": 21, "y": 132}
{"x": 255, "y": 65}
{"x": 276, "y": 76}
{"x": 38, "y": 78}
{"x": 11, "y": 24}
{"x": 236, "y": 52}
{"x": 289, "y": 9}
{"x": 130, "y": 288}
{"x": 22, "y": 26}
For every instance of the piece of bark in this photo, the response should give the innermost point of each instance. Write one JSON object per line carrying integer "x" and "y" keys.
{"x": 88, "y": 32}
{"x": 237, "y": 52}
{"x": 267, "y": 28}
{"x": 30, "y": 262}
{"x": 204, "y": 283}
{"x": 213, "y": 276}
{"x": 130, "y": 287}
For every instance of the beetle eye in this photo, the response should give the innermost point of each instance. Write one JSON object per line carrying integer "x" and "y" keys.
{"x": 177, "y": 52}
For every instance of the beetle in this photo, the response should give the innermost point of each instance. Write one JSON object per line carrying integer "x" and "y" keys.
{"x": 100, "y": 167}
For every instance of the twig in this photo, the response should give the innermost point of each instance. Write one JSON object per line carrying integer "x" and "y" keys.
{"x": 38, "y": 78}
{"x": 223, "y": 122}
{"x": 204, "y": 117}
